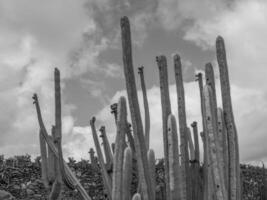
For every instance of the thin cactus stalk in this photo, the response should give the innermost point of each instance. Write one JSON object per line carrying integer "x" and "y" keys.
{"x": 140, "y": 146}
{"x": 93, "y": 158}
{"x": 191, "y": 146}
{"x": 223, "y": 146}
{"x": 107, "y": 148}
{"x": 183, "y": 128}
{"x": 136, "y": 196}
{"x": 214, "y": 154}
{"x": 56, "y": 189}
{"x": 44, "y": 164}
{"x": 58, "y": 131}
{"x": 127, "y": 174}
{"x": 51, "y": 164}
{"x": 196, "y": 142}
{"x": 210, "y": 80}
{"x": 166, "y": 111}
{"x": 119, "y": 149}
{"x": 146, "y": 107}
{"x": 55, "y": 151}
{"x": 113, "y": 147}
{"x": 174, "y": 168}
{"x": 234, "y": 167}
{"x": 106, "y": 178}
{"x": 152, "y": 171}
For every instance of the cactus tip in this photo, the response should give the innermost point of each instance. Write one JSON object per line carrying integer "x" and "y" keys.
{"x": 124, "y": 20}
{"x": 194, "y": 124}
{"x": 92, "y": 121}
{"x": 140, "y": 69}
{"x": 176, "y": 56}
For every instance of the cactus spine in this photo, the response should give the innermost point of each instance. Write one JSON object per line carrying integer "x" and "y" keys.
{"x": 146, "y": 107}
{"x": 183, "y": 128}
{"x": 234, "y": 168}
{"x": 140, "y": 145}
{"x": 173, "y": 159}
{"x": 166, "y": 111}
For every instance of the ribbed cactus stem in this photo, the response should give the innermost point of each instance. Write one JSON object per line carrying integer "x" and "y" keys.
{"x": 107, "y": 148}
{"x": 119, "y": 149}
{"x": 210, "y": 80}
{"x": 140, "y": 146}
{"x": 44, "y": 164}
{"x": 152, "y": 171}
{"x": 166, "y": 111}
{"x": 127, "y": 174}
{"x": 174, "y": 168}
{"x": 146, "y": 107}
{"x": 51, "y": 164}
{"x": 183, "y": 127}
{"x": 196, "y": 141}
{"x": 113, "y": 147}
{"x": 191, "y": 145}
{"x": 223, "y": 147}
{"x": 234, "y": 168}
{"x": 106, "y": 178}
{"x": 214, "y": 154}
{"x": 136, "y": 196}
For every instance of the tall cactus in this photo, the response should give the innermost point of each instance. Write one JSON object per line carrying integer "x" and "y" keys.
{"x": 174, "y": 168}
{"x": 234, "y": 168}
{"x": 140, "y": 145}
{"x": 191, "y": 145}
{"x": 166, "y": 111}
{"x": 183, "y": 128}
{"x": 214, "y": 154}
{"x": 146, "y": 107}
{"x": 152, "y": 171}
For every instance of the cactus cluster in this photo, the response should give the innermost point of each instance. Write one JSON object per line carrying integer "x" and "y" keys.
{"x": 185, "y": 177}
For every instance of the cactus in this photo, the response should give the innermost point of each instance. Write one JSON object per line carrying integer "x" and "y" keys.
{"x": 140, "y": 145}
{"x": 119, "y": 149}
{"x": 44, "y": 164}
{"x": 174, "y": 168}
{"x": 183, "y": 128}
{"x": 106, "y": 178}
{"x": 214, "y": 154}
{"x": 191, "y": 146}
{"x": 136, "y": 196}
{"x": 146, "y": 107}
{"x": 107, "y": 149}
{"x": 234, "y": 168}
{"x": 166, "y": 111}
{"x": 127, "y": 174}
{"x": 55, "y": 192}
{"x": 152, "y": 171}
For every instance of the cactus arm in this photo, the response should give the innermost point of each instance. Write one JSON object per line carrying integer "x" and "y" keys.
{"x": 175, "y": 189}
{"x": 140, "y": 146}
{"x": 55, "y": 192}
{"x": 44, "y": 164}
{"x": 182, "y": 126}
{"x": 106, "y": 178}
{"x": 127, "y": 174}
{"x": 234, "y": 168}
{"x": 214, "y": 154}
{"x": 152, "y": 171}
{"x": 51, "y": 164}
{"x": 107, "y": 149}
{"x": 146, "y": 107}
{"x": 136, "y": 196}
{"x": 119, "y": 149}
{"x": 166, "y": 110}
{"x": 191, "y": 145}
{"x": 196, "y": 142}
{"x": 223, "y": 147}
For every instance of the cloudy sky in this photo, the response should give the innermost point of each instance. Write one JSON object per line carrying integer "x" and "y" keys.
{"x": 82, "y": 39}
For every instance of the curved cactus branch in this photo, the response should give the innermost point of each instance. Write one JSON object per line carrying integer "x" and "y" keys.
{"x": 146, "y": 106}
{"x": 44, "y": 164}
{"x": 141, "y": 150}
{"x": 52, "y": 146}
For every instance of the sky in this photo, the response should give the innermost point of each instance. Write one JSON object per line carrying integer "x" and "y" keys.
{"x": 82, "y": 39}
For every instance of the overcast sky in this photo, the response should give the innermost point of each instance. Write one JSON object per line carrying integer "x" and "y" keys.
{"x": 82, "y": 39}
